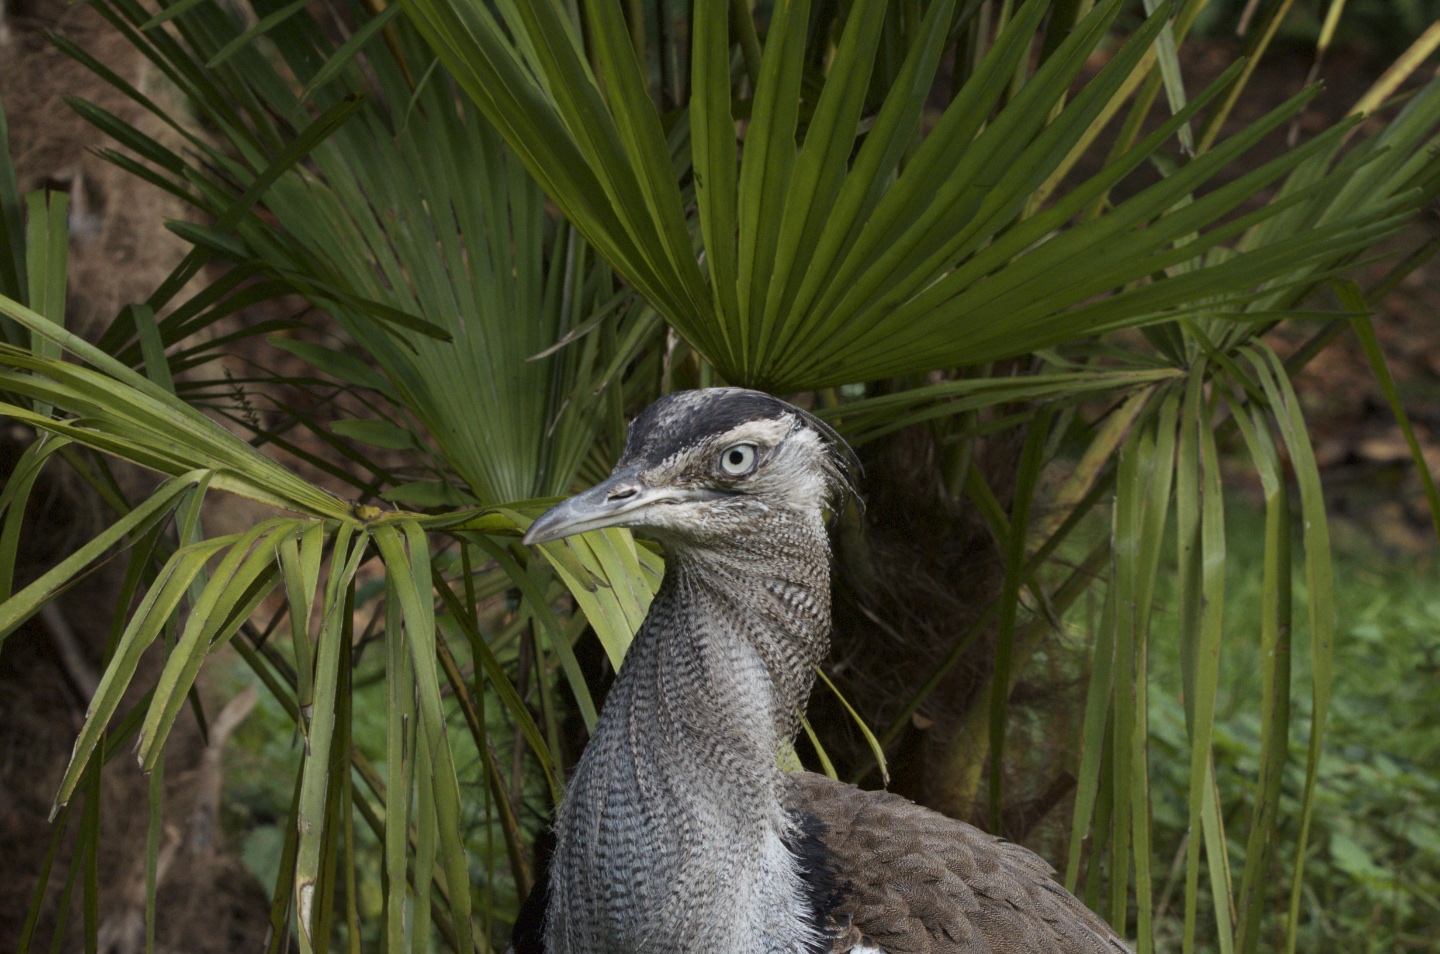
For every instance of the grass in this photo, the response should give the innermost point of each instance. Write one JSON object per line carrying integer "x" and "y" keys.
{"x": 265, "y": 757}
{"x": 1373, "y": 875}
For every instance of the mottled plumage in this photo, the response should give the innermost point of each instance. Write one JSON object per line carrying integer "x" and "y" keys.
{"x": 679, "y": 832}
{"x": 912, "y": 881}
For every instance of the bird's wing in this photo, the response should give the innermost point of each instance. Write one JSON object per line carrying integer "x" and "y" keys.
{"x": 907, "y": 880}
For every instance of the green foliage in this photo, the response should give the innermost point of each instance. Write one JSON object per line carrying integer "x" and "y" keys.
{"x": 1374, "y": 872}
{"x": 827, "y": 238}
{"x": 823, "y": 270}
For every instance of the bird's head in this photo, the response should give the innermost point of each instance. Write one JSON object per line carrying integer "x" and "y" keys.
{"x": 710, "y": 465}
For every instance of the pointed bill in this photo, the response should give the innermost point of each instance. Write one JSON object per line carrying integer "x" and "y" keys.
{"x": 621, "y": 500}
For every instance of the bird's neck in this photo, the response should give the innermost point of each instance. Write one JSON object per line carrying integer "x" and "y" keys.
{"x": 755, "y": 614}
{"x": 679, "y": 787}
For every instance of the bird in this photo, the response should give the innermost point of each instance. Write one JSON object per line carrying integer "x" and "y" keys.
{"x": 679, "y": 830}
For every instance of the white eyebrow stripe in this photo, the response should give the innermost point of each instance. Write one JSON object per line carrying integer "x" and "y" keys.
{"x": 767, "y": 432}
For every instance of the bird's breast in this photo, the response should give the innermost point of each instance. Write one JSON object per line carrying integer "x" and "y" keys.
{"x": 667, "y": 842}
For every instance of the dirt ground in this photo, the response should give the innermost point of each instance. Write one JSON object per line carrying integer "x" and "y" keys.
{"x": 119, "y": 252}
{"x": 208, "y": 901}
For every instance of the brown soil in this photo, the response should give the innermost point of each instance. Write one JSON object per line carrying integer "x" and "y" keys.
{"x": 120, "y": 251}
{"x": 206, "y": 902}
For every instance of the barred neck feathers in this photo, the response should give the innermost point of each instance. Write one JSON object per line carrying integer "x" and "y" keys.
{"x": 770, "y": 595}
{"x": 673, "y": 835}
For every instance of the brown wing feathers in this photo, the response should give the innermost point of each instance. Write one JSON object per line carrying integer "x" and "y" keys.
{"x": 911, "y": 881}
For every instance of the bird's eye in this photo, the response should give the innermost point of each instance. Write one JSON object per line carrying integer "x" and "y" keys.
{"x": 738, "y": 460}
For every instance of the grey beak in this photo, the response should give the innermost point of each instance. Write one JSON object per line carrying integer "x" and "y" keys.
{"x": 607, "y": 504}
{"x": 621, "y": 500}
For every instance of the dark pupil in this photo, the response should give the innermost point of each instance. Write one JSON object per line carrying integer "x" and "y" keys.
{"x": 737, "y": 457}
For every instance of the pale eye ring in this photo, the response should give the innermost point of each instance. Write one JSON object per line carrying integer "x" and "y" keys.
{"x": 737, "y": 460}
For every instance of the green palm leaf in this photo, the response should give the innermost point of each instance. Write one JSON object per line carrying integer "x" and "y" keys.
{"x": 825, "y": 269}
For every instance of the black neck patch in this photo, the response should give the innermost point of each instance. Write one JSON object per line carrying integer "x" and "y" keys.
{"x": 528, "y": 935}
{"x": 823, "y": 890}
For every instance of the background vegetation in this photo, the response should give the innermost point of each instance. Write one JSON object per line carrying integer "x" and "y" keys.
{"x": 439, "y": 251}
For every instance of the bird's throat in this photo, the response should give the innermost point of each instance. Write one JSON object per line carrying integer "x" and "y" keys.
{"x": 757, "y": 630}
{"x": 672, "y": 834}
